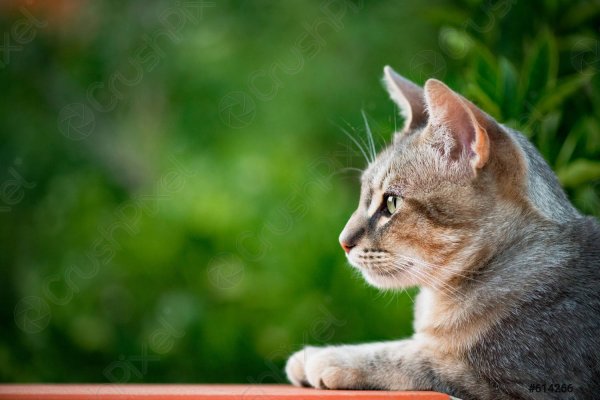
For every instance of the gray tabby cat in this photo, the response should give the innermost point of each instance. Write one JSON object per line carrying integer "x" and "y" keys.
{"x": 509, "y": 271}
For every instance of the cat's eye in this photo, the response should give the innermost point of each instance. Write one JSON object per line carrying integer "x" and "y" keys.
{"x": 393, "y": 203}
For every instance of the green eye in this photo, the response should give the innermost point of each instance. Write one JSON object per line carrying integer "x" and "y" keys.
{"x": 393, "y": 202}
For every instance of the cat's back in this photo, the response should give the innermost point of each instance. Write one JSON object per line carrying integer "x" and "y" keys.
{"x": 552, "y": 333}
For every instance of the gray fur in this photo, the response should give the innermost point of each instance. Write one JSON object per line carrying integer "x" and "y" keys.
{"x": 543, "y": 189}
{"x": 515, "y": 303}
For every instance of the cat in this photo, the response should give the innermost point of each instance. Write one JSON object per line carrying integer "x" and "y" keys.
{"x": 508, "y": 270}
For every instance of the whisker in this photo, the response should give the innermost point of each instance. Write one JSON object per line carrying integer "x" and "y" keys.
{"x": 359, "y": 136}
{"x": 441, "y": 285}
{"x": 369, "y": 134}
{"x": 409, "y": 296}
{"x": 456, "y": 271}
{"x": 356, "y": 143}
{"x": 348, "y": 169}
{"x": 389, "y": 268}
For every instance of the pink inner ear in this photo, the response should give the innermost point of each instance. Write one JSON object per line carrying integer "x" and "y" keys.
{"x": 461, "y": 119}
{"x": 457, "y": 120}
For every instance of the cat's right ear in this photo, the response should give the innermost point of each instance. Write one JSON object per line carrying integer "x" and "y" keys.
{"x": 408, "y": 96}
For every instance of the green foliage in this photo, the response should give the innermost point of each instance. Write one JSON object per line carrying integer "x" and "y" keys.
{"x": 188, "y": 233}
{"x": 547, "y": 86}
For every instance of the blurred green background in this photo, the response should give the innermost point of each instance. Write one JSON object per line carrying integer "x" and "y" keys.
{"x": 174, "y": 175}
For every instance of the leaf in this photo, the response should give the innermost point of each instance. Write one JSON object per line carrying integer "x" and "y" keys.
{"x": 592, "y": 135}
{"x": 547, "y": 133}
{"x": 569, "y": 145}
{"x": 554, "y": 97}
{"x": 508, "y": 89}
{"x": 579, "y": 13}
{"x": 586, "y": 199}
{"x": 486, "y": 70}
{"x": 455, "y": 43}
{"x": 579, "y": 172}
{"x": 539, "y": 69}
{"x": 482, "y": 100}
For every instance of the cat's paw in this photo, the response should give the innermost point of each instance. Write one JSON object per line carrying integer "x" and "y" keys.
{"x": 324, "y": 368}
{"x": 295, "y": 368}
{"x": 333, "y": 368}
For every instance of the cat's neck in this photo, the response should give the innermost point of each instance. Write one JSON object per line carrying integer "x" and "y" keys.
{"x": 485, "y": 293}
{"x": 544, "y": 191}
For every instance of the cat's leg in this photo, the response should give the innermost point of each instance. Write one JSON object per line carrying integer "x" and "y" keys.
{"x": 400, "y": 365}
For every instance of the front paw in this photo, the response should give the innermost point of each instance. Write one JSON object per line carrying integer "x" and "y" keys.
{"x": 324, "y": 368}
{"x": 295, "y": 367}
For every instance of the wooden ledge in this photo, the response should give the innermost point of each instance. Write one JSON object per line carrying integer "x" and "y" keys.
{"x": 197, "y": 392}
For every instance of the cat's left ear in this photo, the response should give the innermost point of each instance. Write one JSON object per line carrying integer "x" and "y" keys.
{"x": 458, "y": 123}
{"x": 408, "y": 97}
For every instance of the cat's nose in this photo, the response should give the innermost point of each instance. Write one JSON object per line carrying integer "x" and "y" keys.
{"x": 347, "y": 247}
{"x": 352, "y": 233}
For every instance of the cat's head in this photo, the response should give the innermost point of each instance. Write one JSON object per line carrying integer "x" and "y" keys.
{"x": 432, "y": 202}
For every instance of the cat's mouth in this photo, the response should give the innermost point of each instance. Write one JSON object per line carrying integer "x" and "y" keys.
{"x": 379, "y": 269}
{"x": 378, "y": 263}
{"x": 367, "y": 257}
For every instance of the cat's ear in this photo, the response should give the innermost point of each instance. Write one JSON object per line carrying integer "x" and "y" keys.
{"x": 409, "y": 98}
{"x": 459, "y": 123}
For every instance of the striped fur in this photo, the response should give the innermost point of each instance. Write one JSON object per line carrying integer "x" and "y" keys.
{"x": 509, "y": 271}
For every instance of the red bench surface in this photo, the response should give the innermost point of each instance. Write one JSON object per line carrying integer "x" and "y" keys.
{"x": 196, "y": 392}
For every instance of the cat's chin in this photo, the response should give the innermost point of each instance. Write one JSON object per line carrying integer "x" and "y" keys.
{"x": 379, "y": 281}
{"x": 382, "y": 280}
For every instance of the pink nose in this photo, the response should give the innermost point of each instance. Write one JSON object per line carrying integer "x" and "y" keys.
{"x": 347, "y": 247}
